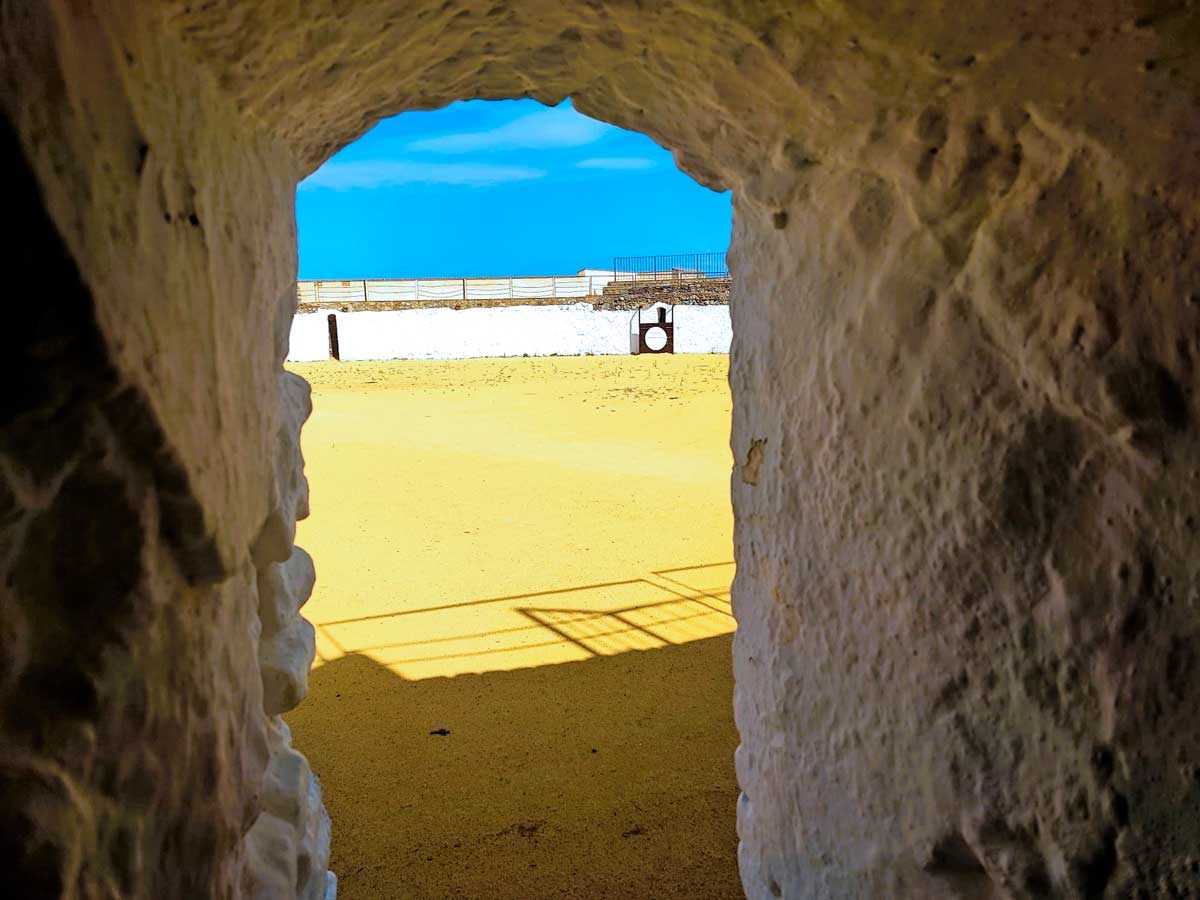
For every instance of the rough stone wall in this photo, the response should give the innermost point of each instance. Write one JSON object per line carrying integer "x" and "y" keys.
{"x": 288, "y": 845}
{"x": 133, "y": 739}
{"x": 632, "y": 295}
{"x": 965, "y": 307}
{"x": 966, "y": 665}
{"x": 147, "y": 483}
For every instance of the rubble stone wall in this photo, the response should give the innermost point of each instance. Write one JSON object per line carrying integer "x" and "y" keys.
{"x": 635, "y": 295}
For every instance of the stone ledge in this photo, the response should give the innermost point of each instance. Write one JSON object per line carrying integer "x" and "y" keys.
{"x": 638, "y": 295}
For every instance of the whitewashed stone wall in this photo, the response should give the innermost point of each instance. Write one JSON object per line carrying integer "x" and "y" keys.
{"x": 287, "y": 848}
{"x": 965, "y": 378}
{"x": 575, "y": 330}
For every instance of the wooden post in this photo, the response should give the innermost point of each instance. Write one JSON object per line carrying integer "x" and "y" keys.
{"x": 334, "y": 350}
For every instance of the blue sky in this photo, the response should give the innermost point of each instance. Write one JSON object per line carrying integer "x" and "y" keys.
{"x": 499, "y": 188}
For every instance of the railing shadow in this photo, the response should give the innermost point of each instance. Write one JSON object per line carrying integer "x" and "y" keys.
{"x": 607, "y": 774}
{"x": 666, "y": 606}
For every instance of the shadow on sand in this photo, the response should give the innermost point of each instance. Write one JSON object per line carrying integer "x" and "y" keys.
{"x": 611, "y": 777}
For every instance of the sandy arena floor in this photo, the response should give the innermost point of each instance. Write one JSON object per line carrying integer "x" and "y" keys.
{"x": 523, "y": 685}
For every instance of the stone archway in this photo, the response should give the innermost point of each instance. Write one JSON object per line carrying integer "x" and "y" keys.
{"x": 965, "y": 319}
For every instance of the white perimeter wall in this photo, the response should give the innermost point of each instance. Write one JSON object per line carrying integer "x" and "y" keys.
{"x": 443, "y": 333}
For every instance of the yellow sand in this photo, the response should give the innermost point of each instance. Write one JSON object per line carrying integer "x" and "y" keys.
{"x": 535, "y": 556}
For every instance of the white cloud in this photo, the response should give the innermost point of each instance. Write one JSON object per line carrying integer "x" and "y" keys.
{"x": 616, "y": 163}
{"x": 367, "y": 173}
{"x": 559, "y": 126}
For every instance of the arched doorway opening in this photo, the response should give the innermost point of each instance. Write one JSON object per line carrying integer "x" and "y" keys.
{"x": 964, "y": 407}
{"x": 538, "y": 672}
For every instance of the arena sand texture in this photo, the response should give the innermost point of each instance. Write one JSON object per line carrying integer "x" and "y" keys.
{"x": 523, "y": 687}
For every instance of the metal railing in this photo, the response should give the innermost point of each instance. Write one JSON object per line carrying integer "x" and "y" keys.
{"x": 670, "y": 267}
{"x": 406, "y": 290}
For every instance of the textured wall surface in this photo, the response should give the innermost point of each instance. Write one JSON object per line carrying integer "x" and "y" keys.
{"x": 634, "y": 295}
{"x": 966, "y": 313}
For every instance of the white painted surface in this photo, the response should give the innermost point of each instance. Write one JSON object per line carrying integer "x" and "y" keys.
{"x": 310, "y": 336}
{"x": 574, "y": 330}
{"x": 358, "y": 290}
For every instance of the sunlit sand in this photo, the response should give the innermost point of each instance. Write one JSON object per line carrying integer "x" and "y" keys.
{"x": 522, "y": 687}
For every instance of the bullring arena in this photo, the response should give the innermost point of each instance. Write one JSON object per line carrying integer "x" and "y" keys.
{"x": 563, "y": 616}
{"x": 554, "y": 640}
